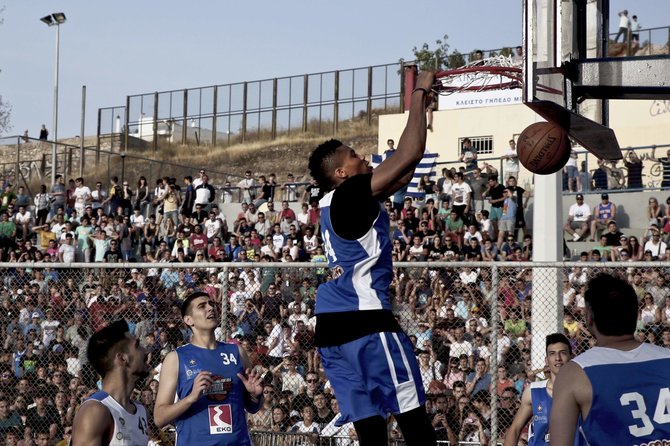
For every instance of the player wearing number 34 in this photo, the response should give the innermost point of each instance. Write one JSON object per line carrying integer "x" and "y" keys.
{"x": 620, "y": 387}
{"x": 210, "y": 381}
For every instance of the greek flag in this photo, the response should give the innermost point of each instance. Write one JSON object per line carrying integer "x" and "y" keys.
{"x": 425, "y": 167}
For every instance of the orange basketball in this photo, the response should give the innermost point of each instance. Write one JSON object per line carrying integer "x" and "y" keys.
{"x": 543, "y": 148}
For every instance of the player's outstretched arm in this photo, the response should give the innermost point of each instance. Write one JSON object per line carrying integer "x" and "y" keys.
{"x": 569, "y": 394}
{"x": 92, "y": 426}
{"x": 165, "y": 409}
{"x": 521, "y": 418}
{"x": 396, "y": 171}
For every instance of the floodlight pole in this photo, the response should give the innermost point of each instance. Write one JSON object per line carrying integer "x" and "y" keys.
{"x": 55, "y": 19}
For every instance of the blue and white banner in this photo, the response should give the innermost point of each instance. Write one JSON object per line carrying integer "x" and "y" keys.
{"x": 425, "y": 167}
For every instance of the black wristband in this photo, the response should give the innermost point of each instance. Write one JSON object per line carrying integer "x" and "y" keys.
{"x": 425, "y": 90}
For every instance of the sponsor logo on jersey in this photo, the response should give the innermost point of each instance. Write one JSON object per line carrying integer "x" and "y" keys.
{"x": 219, "y": 389}
{"x": 191, "y": 363}
{"x": 122, "y": 421}
{"x": 220, "y": 419}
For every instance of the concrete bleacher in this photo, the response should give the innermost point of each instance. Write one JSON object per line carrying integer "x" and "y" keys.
{"x": 631, "y": 213}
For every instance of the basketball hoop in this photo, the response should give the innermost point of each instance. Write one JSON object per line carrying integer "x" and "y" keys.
{"x": 495, "y": 73}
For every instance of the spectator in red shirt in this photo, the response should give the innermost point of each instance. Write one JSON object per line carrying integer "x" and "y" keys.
{"x": 286, "y": 211}
{"x": 314, "y": 213}
{"x": 198, "y": 240}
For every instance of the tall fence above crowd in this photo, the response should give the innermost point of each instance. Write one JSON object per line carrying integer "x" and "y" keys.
{"x": 478, "y": 329}
{"x": 260, "y": 110}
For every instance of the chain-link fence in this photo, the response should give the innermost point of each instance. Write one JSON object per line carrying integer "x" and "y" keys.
{"x": 479, "y": 331}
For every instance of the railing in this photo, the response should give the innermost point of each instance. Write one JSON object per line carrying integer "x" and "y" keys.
{"x": 651, "y": 41}
{"x": 255, "y": 110}
{"x": 322, "y": 103}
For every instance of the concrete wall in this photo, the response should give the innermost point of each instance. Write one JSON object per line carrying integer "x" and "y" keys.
{"x": 631, "y": 206}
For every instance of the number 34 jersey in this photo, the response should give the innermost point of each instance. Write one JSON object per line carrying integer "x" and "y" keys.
{"x": 631, "y": 395}
{"x": 218, "y": 417}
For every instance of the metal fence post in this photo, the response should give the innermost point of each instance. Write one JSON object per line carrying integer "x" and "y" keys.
{"x": 224, "y": 302}
{"x": 336, "y": 105}
{"x": 369, "y": 101}
{"x": 274, "y": 108}
{"x": 495, "y": 282}
{"x": 215, "y": 104}
{"x": 305, "y": 88}
{"x": 18, "y": 161}
{"x": 126, "y": 130}
{"x": 97, "y": 140}
{"x": 184, "y": 123}
{"x": 154, "y": 124}
{"x": 245, "y": 91}
{"x": 83, "y": 129}
{"x": 402, "y": 87}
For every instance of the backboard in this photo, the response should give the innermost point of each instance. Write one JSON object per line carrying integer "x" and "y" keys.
{"x": 558, "y": 34}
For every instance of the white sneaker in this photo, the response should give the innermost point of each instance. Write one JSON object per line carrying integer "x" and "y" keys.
{"x": 576, "y": 237}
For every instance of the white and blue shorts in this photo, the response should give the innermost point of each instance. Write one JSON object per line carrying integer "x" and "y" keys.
{"x": 374, "y": 375}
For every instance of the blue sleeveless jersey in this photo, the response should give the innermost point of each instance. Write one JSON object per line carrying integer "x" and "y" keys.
{"x": 365, "y": 264}
{"x": 631, "y": 395}
{"x": 218, "y": 417}
{"x": 605, "y": 211}
{"x": 538, "y": 432}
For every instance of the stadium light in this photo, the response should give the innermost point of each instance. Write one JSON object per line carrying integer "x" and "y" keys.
{"x": 56, "y": 19}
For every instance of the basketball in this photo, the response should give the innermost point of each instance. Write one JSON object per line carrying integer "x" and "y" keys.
{"x": 543, "y": 148}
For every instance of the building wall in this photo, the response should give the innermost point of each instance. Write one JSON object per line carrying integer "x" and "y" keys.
{"x": 636, "y": 123}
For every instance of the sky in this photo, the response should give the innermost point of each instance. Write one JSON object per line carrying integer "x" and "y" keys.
{"x": 130, "y": 47}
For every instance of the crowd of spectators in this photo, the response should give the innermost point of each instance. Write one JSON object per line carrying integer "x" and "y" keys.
{"x": 48, "y": 314}
{"x": 609, "y": 175}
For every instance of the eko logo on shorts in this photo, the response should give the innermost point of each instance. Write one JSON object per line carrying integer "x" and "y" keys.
{"x": 220, "y": 419}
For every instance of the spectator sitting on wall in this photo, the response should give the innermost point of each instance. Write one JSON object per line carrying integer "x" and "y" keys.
{"x": 603, "y": 213}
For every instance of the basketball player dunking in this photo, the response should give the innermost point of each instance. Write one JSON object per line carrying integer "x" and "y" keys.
{"x": 209, "y": 380}
{"x": 621, "y": 388}
{"x": 365, "y": 354}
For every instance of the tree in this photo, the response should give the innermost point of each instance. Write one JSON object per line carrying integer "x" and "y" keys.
{"x": 436, "y": 59}
{"x": 456, "y": 59}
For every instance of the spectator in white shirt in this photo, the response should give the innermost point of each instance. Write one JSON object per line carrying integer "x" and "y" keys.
{"x": 578, "y": 219}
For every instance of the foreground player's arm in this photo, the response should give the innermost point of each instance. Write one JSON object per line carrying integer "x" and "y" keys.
{"x": 396, "y": 171}
{"x": 165, "y": 409}
{"x": 93, "y": 426}
{"x": 571, "y": 396}
{"x": 521, "y": 418}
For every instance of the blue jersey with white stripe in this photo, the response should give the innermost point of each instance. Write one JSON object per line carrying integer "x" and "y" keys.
{"x": 218, "y": 417}
{"x": 631, "y": 395}
{"x": 365, "y": 264}
{"x": 538, "y": 432}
